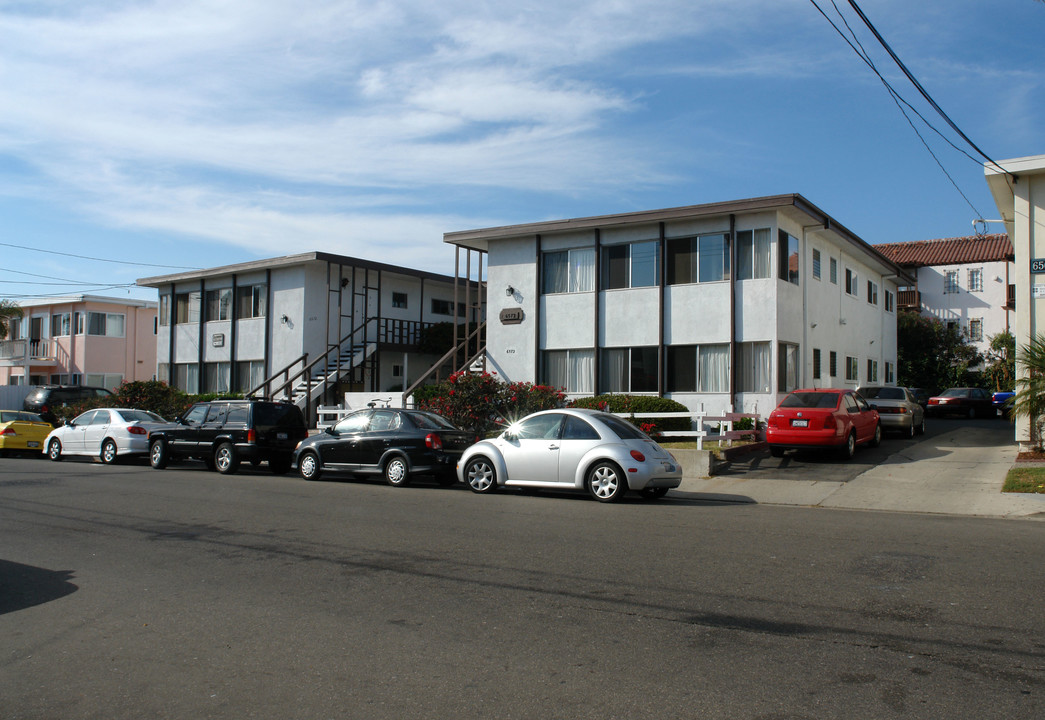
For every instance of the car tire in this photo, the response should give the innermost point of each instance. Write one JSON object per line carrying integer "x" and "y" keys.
{"x": 876, "y": 439}
{"x": 775, "y": 451}
{"x": 279, "y": 465}
{"x": 921, "y": 427}
{"x": 849, "y": 449}
{"x": 54, "y": 450}
{"x": 972, "y": 413}
{"x": 158, "y": 456}
{"x": 309, "y": 466}
{"x": 226, "y": 459}
{"x": 109, "y": 452}
{"x": 606, "y": 482}
{"x": 396, "y": 471}
{"x": 480, "y": 475}
{"x": 653, "y": 493}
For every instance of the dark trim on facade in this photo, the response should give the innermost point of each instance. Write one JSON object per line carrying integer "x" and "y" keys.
{"x": 538, "y": 370}
{"x": 596, "y": 366}
{"x": 733, "y": 310}
{"x": 662, "y": 277}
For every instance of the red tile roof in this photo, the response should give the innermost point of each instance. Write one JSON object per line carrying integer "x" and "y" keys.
{"x": 949, "y": 251}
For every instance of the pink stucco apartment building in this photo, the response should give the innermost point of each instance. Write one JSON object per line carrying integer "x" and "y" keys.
{"x": 80, "y": 340}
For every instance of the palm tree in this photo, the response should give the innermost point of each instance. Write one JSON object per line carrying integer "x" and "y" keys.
{"x": 1030, "y": 386}
{"x": 9, "y": 310}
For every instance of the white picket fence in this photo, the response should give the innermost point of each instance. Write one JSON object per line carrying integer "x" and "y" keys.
{"x": 701, "y": 419}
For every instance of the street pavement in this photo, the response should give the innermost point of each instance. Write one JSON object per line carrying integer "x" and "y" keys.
{"x": 959, "y": 472}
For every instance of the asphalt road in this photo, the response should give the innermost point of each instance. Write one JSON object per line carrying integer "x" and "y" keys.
{"x": 132, "y": 593}
{"x": 827, "y": 466}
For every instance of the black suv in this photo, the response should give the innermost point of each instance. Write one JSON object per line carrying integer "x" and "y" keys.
{"x": 222, "y": 433}
{"x": 45, "y": 399}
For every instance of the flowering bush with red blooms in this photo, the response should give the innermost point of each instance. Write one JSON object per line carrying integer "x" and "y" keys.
{"x": 639, "y": 404}
{"x": 481, "y": 403}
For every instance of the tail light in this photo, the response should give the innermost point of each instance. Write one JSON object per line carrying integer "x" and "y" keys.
{"x": 8, "y": 431}
{"x": 137, "y": 430}
{"x": 433, "y": 441}
{"x": 252, "y": 436}
{"x": 638, "y": 456}
{"x": 44, "y": 408}
{"x": 829, "y": 422}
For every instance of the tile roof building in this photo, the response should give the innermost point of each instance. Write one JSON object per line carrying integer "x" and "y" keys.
{"x": 966, "y": 281}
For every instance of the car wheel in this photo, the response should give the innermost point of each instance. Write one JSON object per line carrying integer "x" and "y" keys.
{"x": 54, "y": 450}
{"x": 776, "y": 451}
{"x": 606, "y": 482}
{"x": 876, "y": 439}
{"x": 109, "y": 452}
{"x": 653, "y": 493}
{"x": 972, "y": 413}
{"x": 158, "y": 454}
{"x": 849, "y": 449}
{"x": 397, "y": 474}
{"x": 279, "y": 465}
{"x": 921, "y": 426}
{"x": 226, "y": 461}
{"x": 308, "y": 466}
{"x": 480, "y": 475}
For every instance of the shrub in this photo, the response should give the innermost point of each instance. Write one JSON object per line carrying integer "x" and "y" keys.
{"x": 640, "y": 404}
{"x": 152, "y": 395}
{"x": 481, "y": 403}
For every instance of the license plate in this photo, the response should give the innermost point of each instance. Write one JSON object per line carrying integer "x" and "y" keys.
{"x": 32, "y": 443}
{"x": 799, "y": 423}
{"x": 281, "y": 436}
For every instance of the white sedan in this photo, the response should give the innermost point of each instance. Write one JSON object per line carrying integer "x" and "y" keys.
{"x": 106, "y": 433}
{"x": 572, "y": 448}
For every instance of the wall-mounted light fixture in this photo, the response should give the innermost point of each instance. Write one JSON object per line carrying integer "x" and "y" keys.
{"x": 841, "y": 321}
{"x": 509, "y": 291}
{"x": 813, "y": 326}
{"x": 344, "y": 282}
{"x": 872, "y": 342}
{"x": 284, "y": 319}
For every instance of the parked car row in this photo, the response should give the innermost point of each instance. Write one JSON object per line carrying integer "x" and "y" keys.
{"x": 556, "y": 449}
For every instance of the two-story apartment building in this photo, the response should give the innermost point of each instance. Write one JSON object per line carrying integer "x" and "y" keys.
{"x": 328, "y": 322}
{"x": 80, "y": 340}
{"x": 967, "y": 282}
{"x": 725, "y": 304}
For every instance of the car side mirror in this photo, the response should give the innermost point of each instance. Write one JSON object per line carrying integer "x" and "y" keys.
{"x": 329, "y": 430}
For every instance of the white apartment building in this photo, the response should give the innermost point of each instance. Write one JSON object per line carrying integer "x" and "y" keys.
{"x": 966, "y": 282}
{"x": 724, "y": 304}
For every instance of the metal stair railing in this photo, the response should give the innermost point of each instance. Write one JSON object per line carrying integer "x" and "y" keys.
{"x": 450, "y": 355}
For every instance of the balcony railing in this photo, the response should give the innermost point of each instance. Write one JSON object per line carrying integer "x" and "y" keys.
{"x": 909, "y": 300}
{"x": 38, "y": 349}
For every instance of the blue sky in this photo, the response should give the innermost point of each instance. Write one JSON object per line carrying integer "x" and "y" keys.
{"x": 207, "y": 132}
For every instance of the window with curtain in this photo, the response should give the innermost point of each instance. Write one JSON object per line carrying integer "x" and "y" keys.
{"x": 165, "y": 309}
{"x": 568, "y": 271}
{"x": 628, "y": 370}
{"x": 249, "y": 374}
{"x": 713, "y": 368}
{"x": 216, "y": 377}
{"x": 754, "y": 367}
{"x": 106, "y": 324}
{"x": 187, "y": 307}
{"x": 787, "y": 367}
{"x": 573, "y": 370}
{"x": 217, "y": 304}
{"x": 704, "y": 258}
{"x": 61, "y": 324}
{"x": 251, "y": 301}
{"x": 852, "y": 369}
{"x": 187, "y": 377}
{"x": 753, "y": 250}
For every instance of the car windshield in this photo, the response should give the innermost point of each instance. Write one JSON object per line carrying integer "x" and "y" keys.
{"x": 811, "y": 400}
{"x": 955, "y": 392}
{"x": 883, "y": 393}
{"x": 139, "y": 416}
{"x": 430, "y": 421}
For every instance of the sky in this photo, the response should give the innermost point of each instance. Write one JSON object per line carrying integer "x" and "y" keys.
{"x": 145, "y": 137}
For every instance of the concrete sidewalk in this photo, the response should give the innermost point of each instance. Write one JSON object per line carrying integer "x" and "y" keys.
{"x": 952, "y": 474}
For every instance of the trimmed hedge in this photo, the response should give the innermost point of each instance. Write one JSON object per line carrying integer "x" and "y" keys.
{"x": 616, "y": 403}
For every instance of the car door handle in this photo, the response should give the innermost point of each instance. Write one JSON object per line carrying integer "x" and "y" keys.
{"x": 553, "y": 446}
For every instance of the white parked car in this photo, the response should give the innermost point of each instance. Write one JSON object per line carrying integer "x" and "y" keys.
{"x": 572, "y": 448}
{"x": 106, "y": 433}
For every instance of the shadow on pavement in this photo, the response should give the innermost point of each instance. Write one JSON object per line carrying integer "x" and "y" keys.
{"x": 23, "y": 586}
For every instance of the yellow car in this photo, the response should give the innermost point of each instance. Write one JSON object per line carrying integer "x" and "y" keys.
{"x": 22, "y": 432}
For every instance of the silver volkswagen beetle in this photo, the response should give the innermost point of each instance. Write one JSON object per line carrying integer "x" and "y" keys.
{"x": 572, "y": 448}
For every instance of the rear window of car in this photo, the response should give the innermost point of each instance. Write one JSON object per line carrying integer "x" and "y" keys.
{"x": 883, "y": 393}
{"x": 828, "y": 401}
{"x": 139, "y": 416}
{"x": 623, "y": 429}
{"x": 430, "y": 421}
{"x": 37, "y": 395}
{"x": 275, "y": 415}
{"x": 955, "y": 392}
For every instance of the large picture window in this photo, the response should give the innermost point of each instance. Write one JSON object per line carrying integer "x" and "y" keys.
{"x": 753, "y": 254}
{"x": 629, "y": 266}
{"x": 61, "y": 324}
{"x": 187, "y": 307}
{"x": 704, "y": 258}
{"x": 753, "y": 367}
{"x": 216, "y": 377}
{"x": 218, "y": 304}
{"x": 573, "y": 370}
{"x": 107, "y": 324}
{"x": 568, "y": 271}
{"x": 249, "y": 374}
{"x": 787, "y": 367}
{"x": 628, "y": 370}
{"x": 698, "y": 368}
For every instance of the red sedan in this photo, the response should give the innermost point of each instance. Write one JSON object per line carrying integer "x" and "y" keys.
{"x": 830, "y": 418}
{"x": 970, "y": 402}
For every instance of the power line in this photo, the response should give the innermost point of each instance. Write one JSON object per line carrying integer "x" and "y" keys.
{"x": 87, "y": 257}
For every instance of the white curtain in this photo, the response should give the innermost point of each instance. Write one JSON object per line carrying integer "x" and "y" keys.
{"x": 582, "y": 371}
{"x": 555, "y": 368}
{"x": 713, "y": 368}
{"x": 755, "y": 365}
{"x": 614, "y": 370}
{"x": 760, "y": 254}
{"x": 790, "y": 368}
{"x": 582, "y": 270}
{"x": 555, "y": 278}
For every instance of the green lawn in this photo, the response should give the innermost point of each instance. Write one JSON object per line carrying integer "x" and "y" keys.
{"x": 1025, "y": 480}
